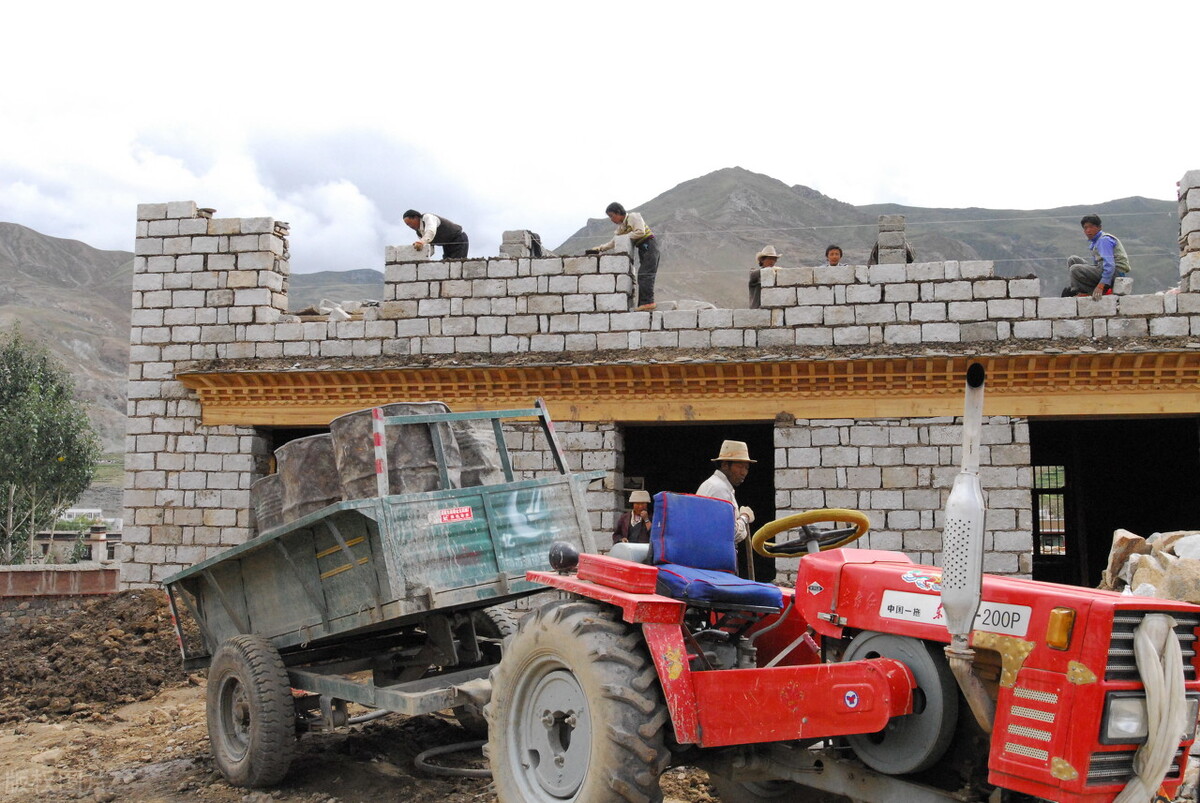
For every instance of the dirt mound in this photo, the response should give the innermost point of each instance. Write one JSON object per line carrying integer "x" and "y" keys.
{"x": 113, "y": 651}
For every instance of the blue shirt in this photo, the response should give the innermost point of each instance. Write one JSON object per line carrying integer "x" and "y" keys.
{"x": 1103, "y": 246}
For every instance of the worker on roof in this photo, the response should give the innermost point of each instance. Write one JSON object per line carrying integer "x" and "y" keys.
{"x": 1109, "y": 261}
{"x": 631, "y": 223}
{"x": 766, "y": 258}
{"x": 434, "y": 230}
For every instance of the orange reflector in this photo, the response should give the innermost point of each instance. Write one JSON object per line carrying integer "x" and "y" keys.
{"x": 1059, "y": 627}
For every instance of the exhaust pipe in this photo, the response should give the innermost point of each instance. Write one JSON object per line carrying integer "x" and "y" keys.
{"x": 962, "y": 555}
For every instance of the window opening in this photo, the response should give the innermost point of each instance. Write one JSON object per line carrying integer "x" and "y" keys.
{"x": 1049, "y": 504}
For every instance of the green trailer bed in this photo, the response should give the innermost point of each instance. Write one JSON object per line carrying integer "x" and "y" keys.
{"x": 355, "y": 571}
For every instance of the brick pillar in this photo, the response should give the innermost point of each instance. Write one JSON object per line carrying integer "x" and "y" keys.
{"x": 1189, "y": 232}
{"x": 203, "y": 288}
{"x": 890, "y": 245}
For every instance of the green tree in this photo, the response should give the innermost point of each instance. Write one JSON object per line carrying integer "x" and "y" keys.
{"x": 48, "y": 449}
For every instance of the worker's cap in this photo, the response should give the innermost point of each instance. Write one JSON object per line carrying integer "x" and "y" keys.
{"x": 640, "y": 496}
{"x": 733, "y": 452}
{"x": 768, "y": 251}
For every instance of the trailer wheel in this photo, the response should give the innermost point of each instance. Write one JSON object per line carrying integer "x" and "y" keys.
{"x": 251, "y": 722}
{"x": 759, "y": 791}
{"x": 576, "y": 712}
{"x": 915, "y": 741}
{"x": 491, "y": 623}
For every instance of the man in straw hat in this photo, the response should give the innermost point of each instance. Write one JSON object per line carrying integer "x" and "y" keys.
{"x": 634, "y": 525}
{"x": 733, "y": 464}
{"x": 766, "y": 259}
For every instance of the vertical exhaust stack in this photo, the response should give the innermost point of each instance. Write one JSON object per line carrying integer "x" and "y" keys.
{"x": 962, "y": 554}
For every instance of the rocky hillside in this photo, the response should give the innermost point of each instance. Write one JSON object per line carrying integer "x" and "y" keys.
{"x": 75, "y": 299}
{"x": 711, "y": 227}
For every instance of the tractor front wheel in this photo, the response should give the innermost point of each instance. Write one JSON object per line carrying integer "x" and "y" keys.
{"x": 251, "y": 718}
{"x": 915, "y": 741}
{"x": 576, "y": 713}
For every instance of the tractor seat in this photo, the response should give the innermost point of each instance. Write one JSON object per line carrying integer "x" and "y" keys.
{"x": 691, "y": 542}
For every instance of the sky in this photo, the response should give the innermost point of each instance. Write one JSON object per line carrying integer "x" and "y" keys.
{"x": 337, "y": 117}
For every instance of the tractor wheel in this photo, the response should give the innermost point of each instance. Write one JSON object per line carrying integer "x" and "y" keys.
{"x": 251, "y": 719}
{"x": 490, "y": 623}
{"x": 764, "y": 791}
{"x": 915, "y": 741}
{"x": 576, "y": 712}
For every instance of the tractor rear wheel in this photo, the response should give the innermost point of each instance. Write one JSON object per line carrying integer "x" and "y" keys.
{"x": 577, "y": 713}
{"x": 251, "y": 718}
{"x": 915, "y": 741}
{"x": 494, "y": 624}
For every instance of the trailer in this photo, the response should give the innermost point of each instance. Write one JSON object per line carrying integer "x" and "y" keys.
{"x": 396, "y": 601}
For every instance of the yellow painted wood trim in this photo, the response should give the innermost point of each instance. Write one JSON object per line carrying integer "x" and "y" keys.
{"x": 1088, "y": 384}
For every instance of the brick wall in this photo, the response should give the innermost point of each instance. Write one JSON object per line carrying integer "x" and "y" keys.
{"x": 27, "y": 592}
{"x": 899, "y": 472}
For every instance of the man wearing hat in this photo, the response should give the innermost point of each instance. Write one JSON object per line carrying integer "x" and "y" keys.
{"x": 733, "y": 464}
{"x": 766, "y": 259}
{"x": 634, "y": 525}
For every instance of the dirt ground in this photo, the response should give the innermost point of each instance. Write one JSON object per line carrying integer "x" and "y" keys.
{"x": 95, "y": 707}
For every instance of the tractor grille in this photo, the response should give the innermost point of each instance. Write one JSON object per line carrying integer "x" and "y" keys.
{"x": 1121, "y": 662}
{"x": 1110, "y": 768}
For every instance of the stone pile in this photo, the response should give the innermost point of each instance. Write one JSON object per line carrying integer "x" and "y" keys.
{"x": 1165, "y": 565}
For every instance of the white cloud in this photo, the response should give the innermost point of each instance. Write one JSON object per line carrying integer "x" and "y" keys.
{"x": 337, "y": 119}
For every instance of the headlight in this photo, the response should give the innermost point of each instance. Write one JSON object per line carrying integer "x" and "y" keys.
{"x": 1125, "y": 718}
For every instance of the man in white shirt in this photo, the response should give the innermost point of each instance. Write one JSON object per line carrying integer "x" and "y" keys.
{"x": 434, "y": 230}
{"x": 733, "y": 464}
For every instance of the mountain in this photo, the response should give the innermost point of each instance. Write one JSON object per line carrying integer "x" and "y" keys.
{"x": 711, "y": 227}
{"x": 308, "y": 289}
{"x": 75, "y": 299}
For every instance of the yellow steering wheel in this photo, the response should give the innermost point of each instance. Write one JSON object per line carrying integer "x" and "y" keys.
{"x": 827, "y": 539}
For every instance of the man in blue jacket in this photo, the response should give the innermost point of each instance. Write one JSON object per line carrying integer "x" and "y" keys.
{"x": 1108, "y": 262}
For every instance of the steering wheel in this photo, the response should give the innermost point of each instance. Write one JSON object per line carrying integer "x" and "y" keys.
{"x": 824, "y": 539}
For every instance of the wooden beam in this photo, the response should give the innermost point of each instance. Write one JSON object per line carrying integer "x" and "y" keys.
{"x": 1082, "y": 384}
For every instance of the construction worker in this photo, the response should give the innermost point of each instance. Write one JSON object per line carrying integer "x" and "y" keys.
{"x": 766, "y": 259}
{"x": 434, "y": 230}
{"x": 631, "y": 223}
{"x": 1109, "y": 261}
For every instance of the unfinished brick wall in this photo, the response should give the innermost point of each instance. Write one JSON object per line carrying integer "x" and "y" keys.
{"x": 211, "y": 289}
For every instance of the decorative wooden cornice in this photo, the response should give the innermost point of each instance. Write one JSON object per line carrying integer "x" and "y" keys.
{"x": 1076, "y": 384}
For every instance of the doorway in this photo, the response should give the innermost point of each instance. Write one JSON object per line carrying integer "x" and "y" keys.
{"x": 1096, "y": 476}
{"x": 678, "y": 457}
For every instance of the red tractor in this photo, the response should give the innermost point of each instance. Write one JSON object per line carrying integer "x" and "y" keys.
{"x": 875, "y": 679}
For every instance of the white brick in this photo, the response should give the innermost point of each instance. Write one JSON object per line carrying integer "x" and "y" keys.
{"x": 940, "y": 332}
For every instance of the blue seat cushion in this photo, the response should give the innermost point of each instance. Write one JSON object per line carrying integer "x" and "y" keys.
{"x": 693, "y": 531}
{"x": 706, "y": 586}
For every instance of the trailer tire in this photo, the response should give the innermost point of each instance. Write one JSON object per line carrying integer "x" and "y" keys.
{"x": 492, "y": 623}
{"x": 915, "y": 741}
{"x": 251, "y": 718}
{"x": 577, "y": 713}
{"x": 765, "y": 791}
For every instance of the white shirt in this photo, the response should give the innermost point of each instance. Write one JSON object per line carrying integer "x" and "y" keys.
{"x": 718, "y": 486}
{"x": 428, "y": 228}
{"x": 634, "y": 226}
